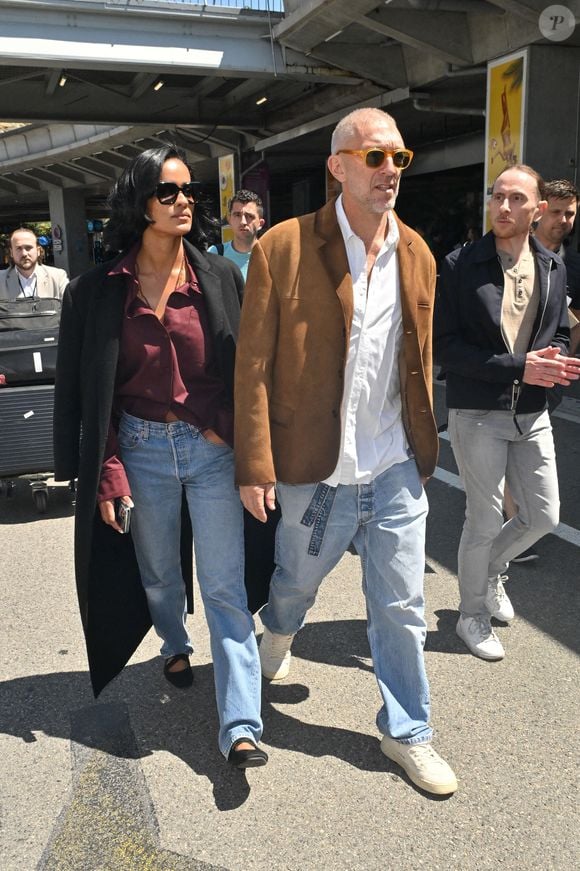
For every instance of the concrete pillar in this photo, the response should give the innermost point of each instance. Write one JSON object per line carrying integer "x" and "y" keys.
{"x": 552, "y": 105}
{"x": 69, "y": 221}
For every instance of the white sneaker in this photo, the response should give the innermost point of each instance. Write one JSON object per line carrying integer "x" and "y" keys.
{"x": 423, "y": 765}
{"x": 275, "y": 655}
{"x": 477, "y": 633}
{"x": 497, "y": 601}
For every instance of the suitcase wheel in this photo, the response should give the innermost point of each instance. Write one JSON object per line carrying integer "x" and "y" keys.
{"x": 6, "y": 489}
{"x": 40, "y": 500}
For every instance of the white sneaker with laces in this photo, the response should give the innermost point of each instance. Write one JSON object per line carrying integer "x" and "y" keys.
{"x": 497, "y": 601}
{"x": 477, "y": 633}
{"x": 423, "y": 765}
{"x": 275, "y": 655}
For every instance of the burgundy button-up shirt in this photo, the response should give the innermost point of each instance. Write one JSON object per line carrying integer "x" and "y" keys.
{"x": 164, "y": 366}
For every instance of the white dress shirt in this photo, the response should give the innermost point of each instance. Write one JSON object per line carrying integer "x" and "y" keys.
{"x": 372, "y": 433}
{"x": 27, "y": 284}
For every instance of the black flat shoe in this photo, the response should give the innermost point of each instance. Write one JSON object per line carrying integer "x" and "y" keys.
{"x": 180, "y": 679}
{"x": 253, "y": 758}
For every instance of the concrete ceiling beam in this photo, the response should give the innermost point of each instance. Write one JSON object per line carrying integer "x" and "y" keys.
{"x": 445, "y": 34}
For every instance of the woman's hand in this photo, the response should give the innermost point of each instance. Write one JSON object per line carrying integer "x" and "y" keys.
{"x": 107, "y": 509}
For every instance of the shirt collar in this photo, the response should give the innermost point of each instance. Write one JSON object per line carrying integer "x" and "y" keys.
{"x": 391, "y": 239}
{"x": 26, "y": 279}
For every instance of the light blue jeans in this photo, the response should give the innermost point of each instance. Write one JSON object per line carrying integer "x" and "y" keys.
{"x": 488, "y": 451}
{"x": 386, "y": 522}
{"x": 162, "y": 460}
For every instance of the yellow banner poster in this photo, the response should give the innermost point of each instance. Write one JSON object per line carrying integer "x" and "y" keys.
{"x": 227, "y": 190}
{"x": 505, "y": 117}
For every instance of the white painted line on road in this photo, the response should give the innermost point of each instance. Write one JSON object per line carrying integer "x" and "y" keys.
{"x": 563, "y": 531}
{"x": 572, "y": 416}
{"x": 448, "y": 478}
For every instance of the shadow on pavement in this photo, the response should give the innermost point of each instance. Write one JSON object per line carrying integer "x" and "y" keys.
{"x": 184, "y": 722}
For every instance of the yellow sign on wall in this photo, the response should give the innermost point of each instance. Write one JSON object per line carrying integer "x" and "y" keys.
{"x": 505, "y": 117}
{"x": 227, "y": 189}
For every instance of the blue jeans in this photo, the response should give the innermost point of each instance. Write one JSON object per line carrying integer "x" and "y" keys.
{"x": 162, "y": 460}
{"x": 386, "y": 522}
{"x": 489, "y": 450}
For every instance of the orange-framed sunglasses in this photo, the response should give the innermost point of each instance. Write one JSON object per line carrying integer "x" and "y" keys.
{"x": 375, "y": 157}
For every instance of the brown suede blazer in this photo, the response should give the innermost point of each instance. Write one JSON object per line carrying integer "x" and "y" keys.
{"x": 293, "y": 344}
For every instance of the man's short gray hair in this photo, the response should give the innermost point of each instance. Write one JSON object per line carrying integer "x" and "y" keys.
{"x": 348, "y": 126}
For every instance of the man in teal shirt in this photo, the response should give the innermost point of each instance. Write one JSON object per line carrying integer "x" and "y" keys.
{"x": 246, "y": 218}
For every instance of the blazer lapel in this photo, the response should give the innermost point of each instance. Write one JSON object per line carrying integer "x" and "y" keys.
{"x": 12, "y": 283}
{"x": 333, "y": 252}
{"x": 407, "y": 283}
{"x": 42, "y": 283}
{"x": 211, "y": 287}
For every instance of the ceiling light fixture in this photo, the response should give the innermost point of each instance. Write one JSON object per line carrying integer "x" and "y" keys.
{"x": 62, "y": 81}
{"x": 332, "y": 35}
{"x": 158, "y": 85}
{"x": 261, "y": 100}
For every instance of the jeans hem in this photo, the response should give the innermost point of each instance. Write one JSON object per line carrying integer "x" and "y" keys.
{"x": 422, "y": 739}
{"x": 245, "y": 734}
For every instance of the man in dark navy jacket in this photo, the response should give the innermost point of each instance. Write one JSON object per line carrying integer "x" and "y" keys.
{"x": 501, "y": 335}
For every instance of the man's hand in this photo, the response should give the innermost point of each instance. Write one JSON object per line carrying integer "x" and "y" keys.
{"x": 107, "y": 509}
{"x": 257, "y": 497}
{"x": 547, "y": 367}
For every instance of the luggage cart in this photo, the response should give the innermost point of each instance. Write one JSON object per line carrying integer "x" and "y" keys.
{"x": 26, "y": 440}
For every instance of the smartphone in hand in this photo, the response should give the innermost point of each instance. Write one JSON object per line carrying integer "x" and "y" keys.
{"x": 123, "y": 515}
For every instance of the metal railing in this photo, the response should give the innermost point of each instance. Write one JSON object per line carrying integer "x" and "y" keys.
{"x": 256, "y": 5}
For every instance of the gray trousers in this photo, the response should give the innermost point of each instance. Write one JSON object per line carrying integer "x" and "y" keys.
{"x": 489, "y": 451}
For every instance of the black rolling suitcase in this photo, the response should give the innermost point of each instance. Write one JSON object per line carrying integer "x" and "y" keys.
{"x": 26, "y": 430}
{"x": 26, "y": 439}
{"x": 28, "y": 340}
{"x": 28, "y": 346}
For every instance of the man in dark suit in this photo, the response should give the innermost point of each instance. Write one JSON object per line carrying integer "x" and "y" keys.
{"x": 554, "y": 229}
{"x": 333, "y": 414}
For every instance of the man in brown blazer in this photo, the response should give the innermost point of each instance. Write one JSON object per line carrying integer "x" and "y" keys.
{"x": 334, "y": 419}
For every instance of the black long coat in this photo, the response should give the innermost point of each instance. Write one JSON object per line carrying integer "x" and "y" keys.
{"x": 112, "y": 601}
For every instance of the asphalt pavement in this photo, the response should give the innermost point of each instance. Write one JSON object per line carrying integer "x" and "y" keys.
{"x": 134, "y": 781}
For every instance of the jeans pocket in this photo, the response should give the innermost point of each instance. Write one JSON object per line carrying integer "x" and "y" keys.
{"x": 129, "y": 436}
{"x": 214, "y": 445}
{"x": 317, "y": 514}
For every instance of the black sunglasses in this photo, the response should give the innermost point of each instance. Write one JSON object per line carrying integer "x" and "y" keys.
{"x": 167, "y": 192}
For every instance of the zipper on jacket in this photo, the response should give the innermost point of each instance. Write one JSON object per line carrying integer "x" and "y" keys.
{"x": 516, "y": 390}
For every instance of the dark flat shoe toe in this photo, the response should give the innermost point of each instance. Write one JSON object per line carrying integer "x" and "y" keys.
{"x": 180, "y": 679}
{"x": 253, "y": 758}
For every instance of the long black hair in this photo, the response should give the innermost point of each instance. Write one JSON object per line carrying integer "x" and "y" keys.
{"x": 129, "y": 195}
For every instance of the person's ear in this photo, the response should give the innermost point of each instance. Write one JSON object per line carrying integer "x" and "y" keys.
{"x": 335, "y": 167}
{"x": 540, "y": 209}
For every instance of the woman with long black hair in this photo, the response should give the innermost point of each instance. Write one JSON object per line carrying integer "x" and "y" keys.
{"x": 143, "y": 415}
